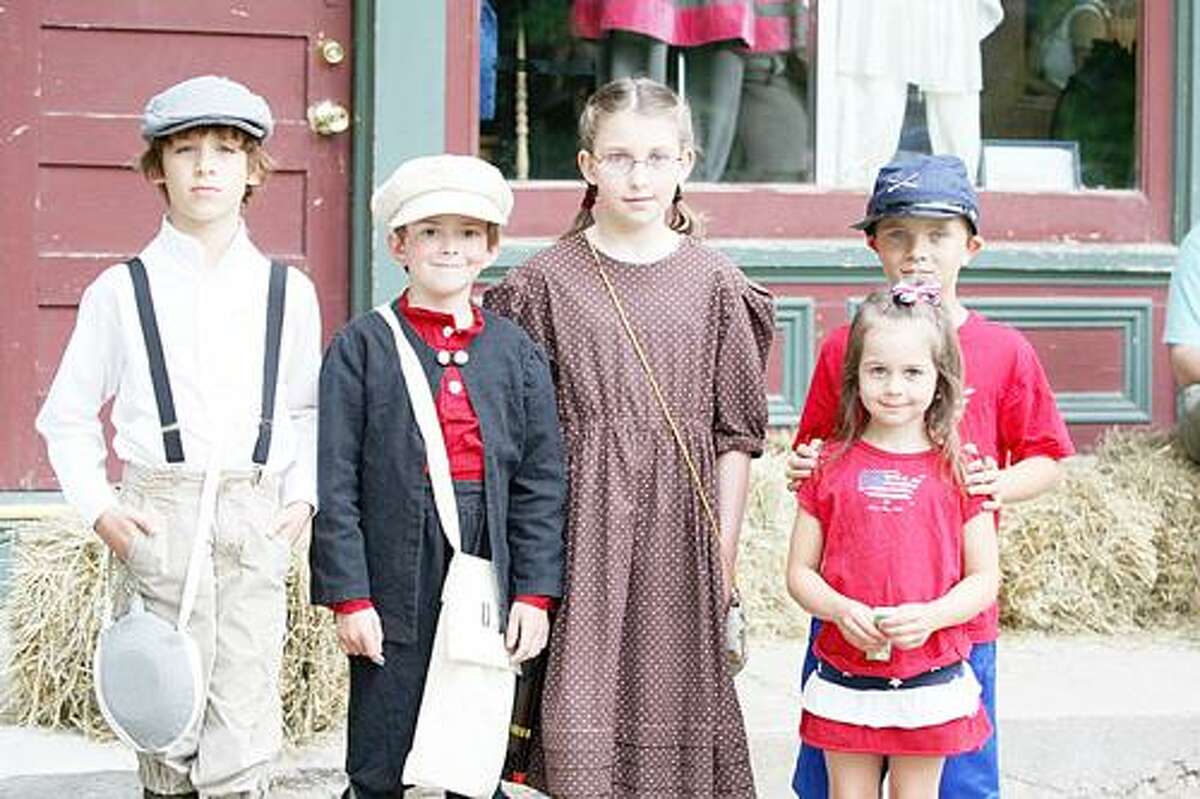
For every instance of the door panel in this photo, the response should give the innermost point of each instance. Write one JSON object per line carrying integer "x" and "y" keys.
{"x": 82, "y": 72}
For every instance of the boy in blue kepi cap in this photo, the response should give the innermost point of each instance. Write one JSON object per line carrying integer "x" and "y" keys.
{"x": 922, "y": 221}
{"x": 207, "y": 412}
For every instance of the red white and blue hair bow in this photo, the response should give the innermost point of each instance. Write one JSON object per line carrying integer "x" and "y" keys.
{"x": 912, "y": 293}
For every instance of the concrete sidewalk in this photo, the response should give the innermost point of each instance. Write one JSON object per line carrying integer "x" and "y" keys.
{"x": 1079, "y": 717}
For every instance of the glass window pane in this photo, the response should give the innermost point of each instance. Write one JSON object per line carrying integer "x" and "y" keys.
{"x": 1034, "y": 94}
{"x": 741, "y": 63}
{"x": 1064, "y": 73}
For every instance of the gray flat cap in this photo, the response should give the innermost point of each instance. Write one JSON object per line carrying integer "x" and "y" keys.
{"x": 206, "y": 100}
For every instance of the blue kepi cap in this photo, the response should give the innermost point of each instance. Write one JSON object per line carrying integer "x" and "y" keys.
{"x": 206, "y": 100}
{"x": 931, "y": 186}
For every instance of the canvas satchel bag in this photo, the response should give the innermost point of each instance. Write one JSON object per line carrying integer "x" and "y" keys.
{"x": 462, "y": 726}
{"x": 734, "y": 630}
{"x": 146, "y": 671}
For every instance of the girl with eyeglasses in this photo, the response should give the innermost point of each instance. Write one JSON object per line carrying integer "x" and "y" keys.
{"x": 638, "y": 700}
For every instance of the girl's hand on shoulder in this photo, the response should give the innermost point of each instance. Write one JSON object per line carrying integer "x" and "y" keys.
{"x": 909, "y": 626}
{"x": 856, "y": 622}
{"x": 802, "y": 462}
{"x": 983, "y": 476}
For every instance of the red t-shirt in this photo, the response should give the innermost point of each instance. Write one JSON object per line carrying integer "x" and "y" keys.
{"x": 1011, "y": 414}
{"x": 893, "y": 533}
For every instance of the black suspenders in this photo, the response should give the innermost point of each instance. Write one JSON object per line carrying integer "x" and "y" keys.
{"x": 275, "y": 297}
{"x": 172, "y": 441}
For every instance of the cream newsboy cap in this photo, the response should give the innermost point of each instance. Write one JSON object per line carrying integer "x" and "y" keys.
{"x": 442, "y": 184}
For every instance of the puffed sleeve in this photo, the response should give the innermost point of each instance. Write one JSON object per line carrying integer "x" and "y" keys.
{"x": 523, "y": 297}
{"x": 747, "y": 325}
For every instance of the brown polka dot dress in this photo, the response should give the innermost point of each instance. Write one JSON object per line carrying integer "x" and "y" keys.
{"x": 637, "y": 701}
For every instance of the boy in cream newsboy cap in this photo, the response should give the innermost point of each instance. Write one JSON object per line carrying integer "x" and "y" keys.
{"x": 378, "y": 554}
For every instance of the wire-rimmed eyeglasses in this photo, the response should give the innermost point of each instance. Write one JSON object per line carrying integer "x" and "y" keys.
{"x": 621, "y": 164}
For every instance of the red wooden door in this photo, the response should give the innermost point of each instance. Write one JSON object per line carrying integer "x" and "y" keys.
{"x": 78, "y": 75}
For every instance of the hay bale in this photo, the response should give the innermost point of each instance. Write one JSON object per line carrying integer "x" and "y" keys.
{"x": 1117, "y": 546}
{"x": 762, "y": 550}
{"x": 1080, "y": 559}
{"x": 53, "y": 615}
{"x": 314, "y": 677}
{"x": 1154, "y": 466}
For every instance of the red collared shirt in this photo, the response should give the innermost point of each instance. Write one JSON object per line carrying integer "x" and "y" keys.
{"x": 460, "y": 425}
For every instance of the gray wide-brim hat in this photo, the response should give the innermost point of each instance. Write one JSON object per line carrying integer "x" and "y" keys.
{"x": 206, "y": 100}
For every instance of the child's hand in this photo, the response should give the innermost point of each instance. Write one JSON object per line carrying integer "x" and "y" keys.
{"x": 908, "y": 626}
{"x": 802, "y": 462}
{"x": 361, "y": 634}
{"x": 528, "y": 631}
{"x": 983, "y": 476}
{"x": 857, "y": 624}
{"x": 292, "y": 521}
{"x": 117, "y": 526}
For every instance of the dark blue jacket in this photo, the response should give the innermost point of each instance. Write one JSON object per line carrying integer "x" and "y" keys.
{"x": 371, "y": 468}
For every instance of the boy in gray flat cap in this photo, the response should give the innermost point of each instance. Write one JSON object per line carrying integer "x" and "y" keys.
{"x": 379, "y": 556}
{"x": 207, "y": 412}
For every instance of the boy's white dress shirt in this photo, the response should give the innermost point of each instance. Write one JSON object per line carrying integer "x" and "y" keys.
{"x": 212, "y": 322}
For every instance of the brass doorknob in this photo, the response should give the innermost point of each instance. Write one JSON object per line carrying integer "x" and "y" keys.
{"x": 331, "y": 51}
{"x": 328, "y": 118}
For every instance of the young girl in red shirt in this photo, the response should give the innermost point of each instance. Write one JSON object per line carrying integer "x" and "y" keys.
{"x": 896, "y": 557}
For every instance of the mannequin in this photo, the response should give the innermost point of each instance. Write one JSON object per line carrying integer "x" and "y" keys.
{"x": 884, "y": 45}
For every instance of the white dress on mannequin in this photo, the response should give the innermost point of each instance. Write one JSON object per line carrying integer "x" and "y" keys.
{"x": 884, "y": 45}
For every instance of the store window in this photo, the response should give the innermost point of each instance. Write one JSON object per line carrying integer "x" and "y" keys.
{"x": 743, "y": 66}
{"x": 1035, "y": 95}
{"x": 1040, "y": 97}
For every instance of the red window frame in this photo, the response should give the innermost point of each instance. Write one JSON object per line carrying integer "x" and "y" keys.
{"x": 800, "y": 211}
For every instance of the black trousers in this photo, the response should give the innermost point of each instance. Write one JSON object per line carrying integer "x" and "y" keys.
{"x": 385, "y": 700}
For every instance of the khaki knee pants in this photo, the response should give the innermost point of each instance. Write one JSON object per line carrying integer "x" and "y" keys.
{"x": 238, "y": 624}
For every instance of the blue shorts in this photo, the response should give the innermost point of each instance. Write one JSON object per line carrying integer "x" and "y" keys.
{"x": 974, "y": 775}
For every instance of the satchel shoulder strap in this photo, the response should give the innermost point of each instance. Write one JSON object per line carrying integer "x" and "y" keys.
{"x": 421, "y": 398}
{"x": 693, "y": 471}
